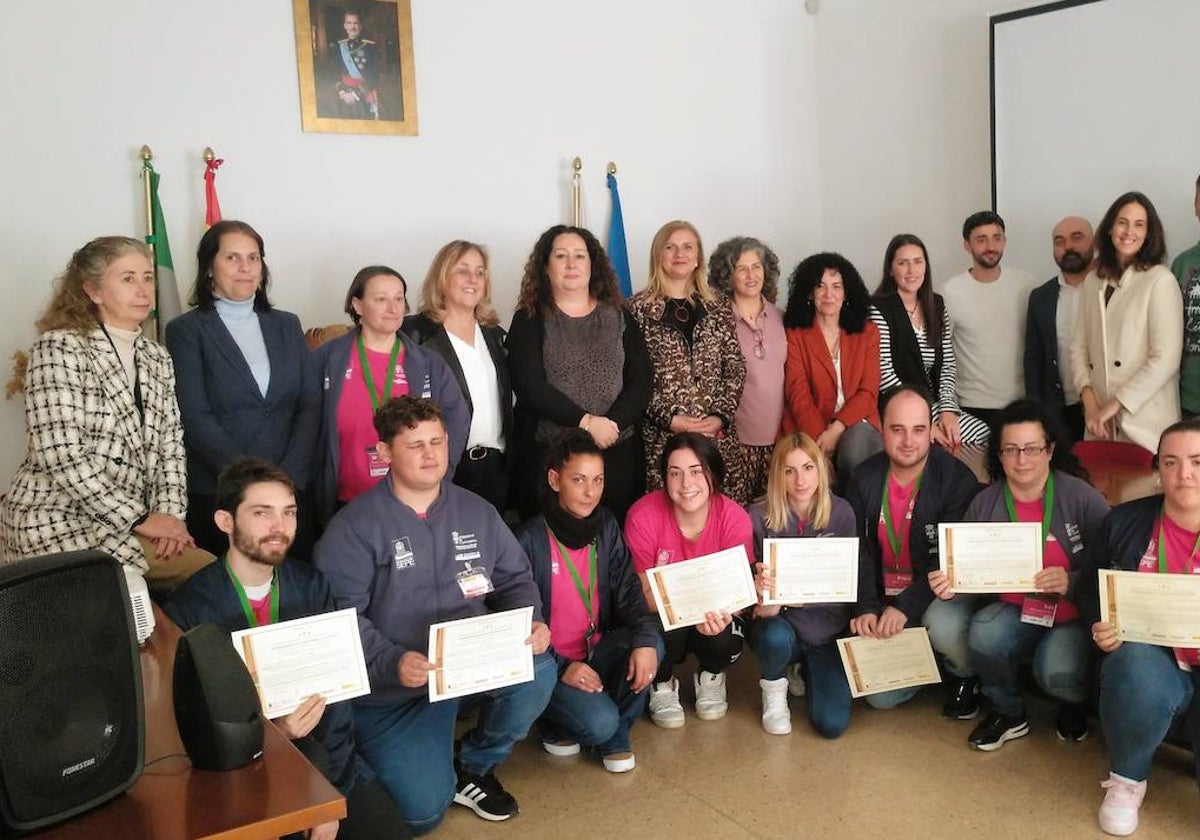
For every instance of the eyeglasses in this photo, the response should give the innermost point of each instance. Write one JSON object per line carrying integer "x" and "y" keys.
{"x": 1031, "y": 450}
{"x": 760, "y": 349}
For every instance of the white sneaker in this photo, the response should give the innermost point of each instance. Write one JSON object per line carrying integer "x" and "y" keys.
{"x": 665, "y": 708}
{"x": 795, "y": 680}
{"x": 619, "y": 762}
{"x": 710, "y": 695}
{"x": 776, "y": 717}
{"x": 1119, "y": 810}
{"x": 561, "y": 748}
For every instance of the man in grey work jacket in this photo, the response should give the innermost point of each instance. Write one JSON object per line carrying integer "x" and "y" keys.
{"x": 413, "y": 551}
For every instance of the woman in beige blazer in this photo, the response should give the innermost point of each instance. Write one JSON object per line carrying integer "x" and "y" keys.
{"x": 105, "y": 467}
{"x": 1127, "y": 343}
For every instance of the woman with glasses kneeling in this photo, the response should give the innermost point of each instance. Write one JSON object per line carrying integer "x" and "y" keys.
{"x": 799, "y": 504}
{"x": 1035, "y": 479}
{"x": 606, "y": 644}
{"x": 1144, "y": 688}
{"x": 690, "y": 517}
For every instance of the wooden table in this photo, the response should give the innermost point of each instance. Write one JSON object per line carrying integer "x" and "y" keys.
{"x": 278, "y": 794}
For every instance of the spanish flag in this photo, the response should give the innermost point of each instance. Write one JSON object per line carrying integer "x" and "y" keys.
{"x": 212, "y": 207}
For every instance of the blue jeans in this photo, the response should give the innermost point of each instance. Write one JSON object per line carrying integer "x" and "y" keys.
{"x": 827, "y": 700}
{"x": 1000, "y": 640}
{"x": 601, "y": 720}
{"x": 410, "y": 745}
{"x": 1142, "y": 692}
{"x": 947, "y": 623}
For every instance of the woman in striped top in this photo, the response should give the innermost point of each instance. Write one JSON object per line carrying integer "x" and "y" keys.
{"x": 914, "y": 339}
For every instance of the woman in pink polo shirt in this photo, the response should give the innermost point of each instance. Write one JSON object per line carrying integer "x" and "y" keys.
{"x": 688, "y": 518}
{"x": 1145, "y": 689}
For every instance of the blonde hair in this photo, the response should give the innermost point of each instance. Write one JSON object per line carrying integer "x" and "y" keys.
{"x": 778, "y": 509}
{"x": 433, "y": 292}
{"x": 656, "y": 284}
{"x": 70, "y": 308}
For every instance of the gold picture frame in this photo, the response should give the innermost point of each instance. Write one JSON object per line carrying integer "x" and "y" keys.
{"x": 355, "y": 62}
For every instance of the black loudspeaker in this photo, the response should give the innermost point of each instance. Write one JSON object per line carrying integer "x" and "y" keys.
{"x": 72, "y": 732}
{"x": 216, "y": 707}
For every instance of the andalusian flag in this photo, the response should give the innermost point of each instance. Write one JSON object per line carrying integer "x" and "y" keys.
{"x": 166, "y": 291}
{"x": 618, "y": 253}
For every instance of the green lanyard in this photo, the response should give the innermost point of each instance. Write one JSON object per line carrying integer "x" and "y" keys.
{"x": 895, "y": 539}
{"x": 251, "y": 621}
{"x": 585, "y": 594}
{"x": 376, "y": 402}
{"x": 1162, "y": 547}
{"x": 1047, "y": 506}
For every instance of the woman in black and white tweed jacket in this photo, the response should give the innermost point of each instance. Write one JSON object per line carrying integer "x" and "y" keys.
{"x": 105, "y": 467}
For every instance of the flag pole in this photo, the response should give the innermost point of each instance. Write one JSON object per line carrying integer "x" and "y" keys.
{"x": 576, "y": 197}
{"x": 147, "y": 189}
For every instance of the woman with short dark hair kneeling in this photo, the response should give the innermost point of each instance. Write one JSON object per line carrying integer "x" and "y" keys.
{"x": 799, "y": 504}
{"x": 690, "y": 517}
{"x": 606, "y": 644}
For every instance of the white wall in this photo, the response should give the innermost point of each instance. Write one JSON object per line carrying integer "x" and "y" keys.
{"x": 707, "y": 107}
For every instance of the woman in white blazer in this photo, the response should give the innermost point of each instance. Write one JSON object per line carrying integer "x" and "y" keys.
{"x": 105, "y": 467}
{"x": 1127, "y": 343}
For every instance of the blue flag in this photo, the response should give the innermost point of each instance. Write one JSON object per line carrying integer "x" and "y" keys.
{"x": 618, "y": 254}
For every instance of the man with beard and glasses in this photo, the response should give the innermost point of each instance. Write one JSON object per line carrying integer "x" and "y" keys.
{"x": 1050, "y": 323}
{"x": 1186, "y": 268}
{"x": 987, "y": 320}
{"x": 255, "y": 583}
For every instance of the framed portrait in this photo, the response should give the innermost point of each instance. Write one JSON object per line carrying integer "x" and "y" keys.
{"x": 355, "y": 61}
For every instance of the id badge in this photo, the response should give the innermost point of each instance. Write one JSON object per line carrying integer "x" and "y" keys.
{"x": 1039, "y": 611}
{"x": 474, "y": 582}
{"x": 896, "y": 582}
{"x": 376, "y": 466}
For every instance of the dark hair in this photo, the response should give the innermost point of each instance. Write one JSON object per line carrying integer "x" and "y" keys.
{"x": 710, "y": 458}
{"x": 723, "y": 260}
{"x": 1033, "y": 411}
{"x": 405, "y": 413}
{"x": 1192, "y": 424}
{"x": 905, "y": 388}
{"x": 358, "y": 287}
{"x": 1198, "y": 180}
{"x": 241, "y": 473}
{"x": 1154, "y": 248}
{"x": 571, "y": 442}
{"x": 206, "y": 253}
{"x": 804, "y": 281}
{"x": 536, "y": 296}
{"x": 926, "y": 299}
{"x": 983, "y": 217}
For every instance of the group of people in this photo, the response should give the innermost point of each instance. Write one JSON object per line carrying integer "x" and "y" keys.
{"x": 624, "y": 435}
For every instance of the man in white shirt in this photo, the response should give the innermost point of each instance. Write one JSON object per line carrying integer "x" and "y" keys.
{"x": 987, "y": 320}
{"x": 1050, "y": 323}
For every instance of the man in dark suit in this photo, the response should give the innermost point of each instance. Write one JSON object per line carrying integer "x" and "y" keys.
{"x": 1050, "y": 323}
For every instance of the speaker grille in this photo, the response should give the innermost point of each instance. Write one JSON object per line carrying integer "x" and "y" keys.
{"x": 70, "y": 688}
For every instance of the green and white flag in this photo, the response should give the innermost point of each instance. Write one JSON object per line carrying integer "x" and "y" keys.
{"x": 166, "y": 292}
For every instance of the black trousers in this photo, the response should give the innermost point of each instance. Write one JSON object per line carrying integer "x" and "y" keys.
{"x": 713, "y": 653}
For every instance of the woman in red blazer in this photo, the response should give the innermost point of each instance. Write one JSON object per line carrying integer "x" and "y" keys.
{"x": 831, "y": 378}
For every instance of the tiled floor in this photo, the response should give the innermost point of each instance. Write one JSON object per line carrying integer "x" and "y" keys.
{"x": 894, "y": 775}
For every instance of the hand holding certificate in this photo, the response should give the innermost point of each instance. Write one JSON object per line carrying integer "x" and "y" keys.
{"x": 291, "y": 661}
{"x": 481, "y": 653}
{"x": 1155, "y": 609}
{"x": 996, "y": 557}
{"x": 685, "y": 592}
{"x": 876, "y": 665}
{"x": 811, "y": 571}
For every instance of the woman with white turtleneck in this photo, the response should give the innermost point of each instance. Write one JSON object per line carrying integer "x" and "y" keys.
{"x": 105, "y": 465}
{"x": 244, "y": 376}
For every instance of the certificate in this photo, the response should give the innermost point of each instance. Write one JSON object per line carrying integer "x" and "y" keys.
{"x": 1154, "y": 609}
{"x": 994, "y": 557}
{"x": 290, "y": 661}
{"x": 875, "y": 665}
{"x": 807, "y": 570}
{"x": 685, "y": 591}
{"x": 481, "y": 653}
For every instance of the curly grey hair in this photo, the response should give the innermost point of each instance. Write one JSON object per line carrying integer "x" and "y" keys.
{"x": 726, "y": 255}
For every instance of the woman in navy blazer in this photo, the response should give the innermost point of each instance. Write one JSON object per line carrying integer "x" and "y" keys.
{"x": 244, "y": 377}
